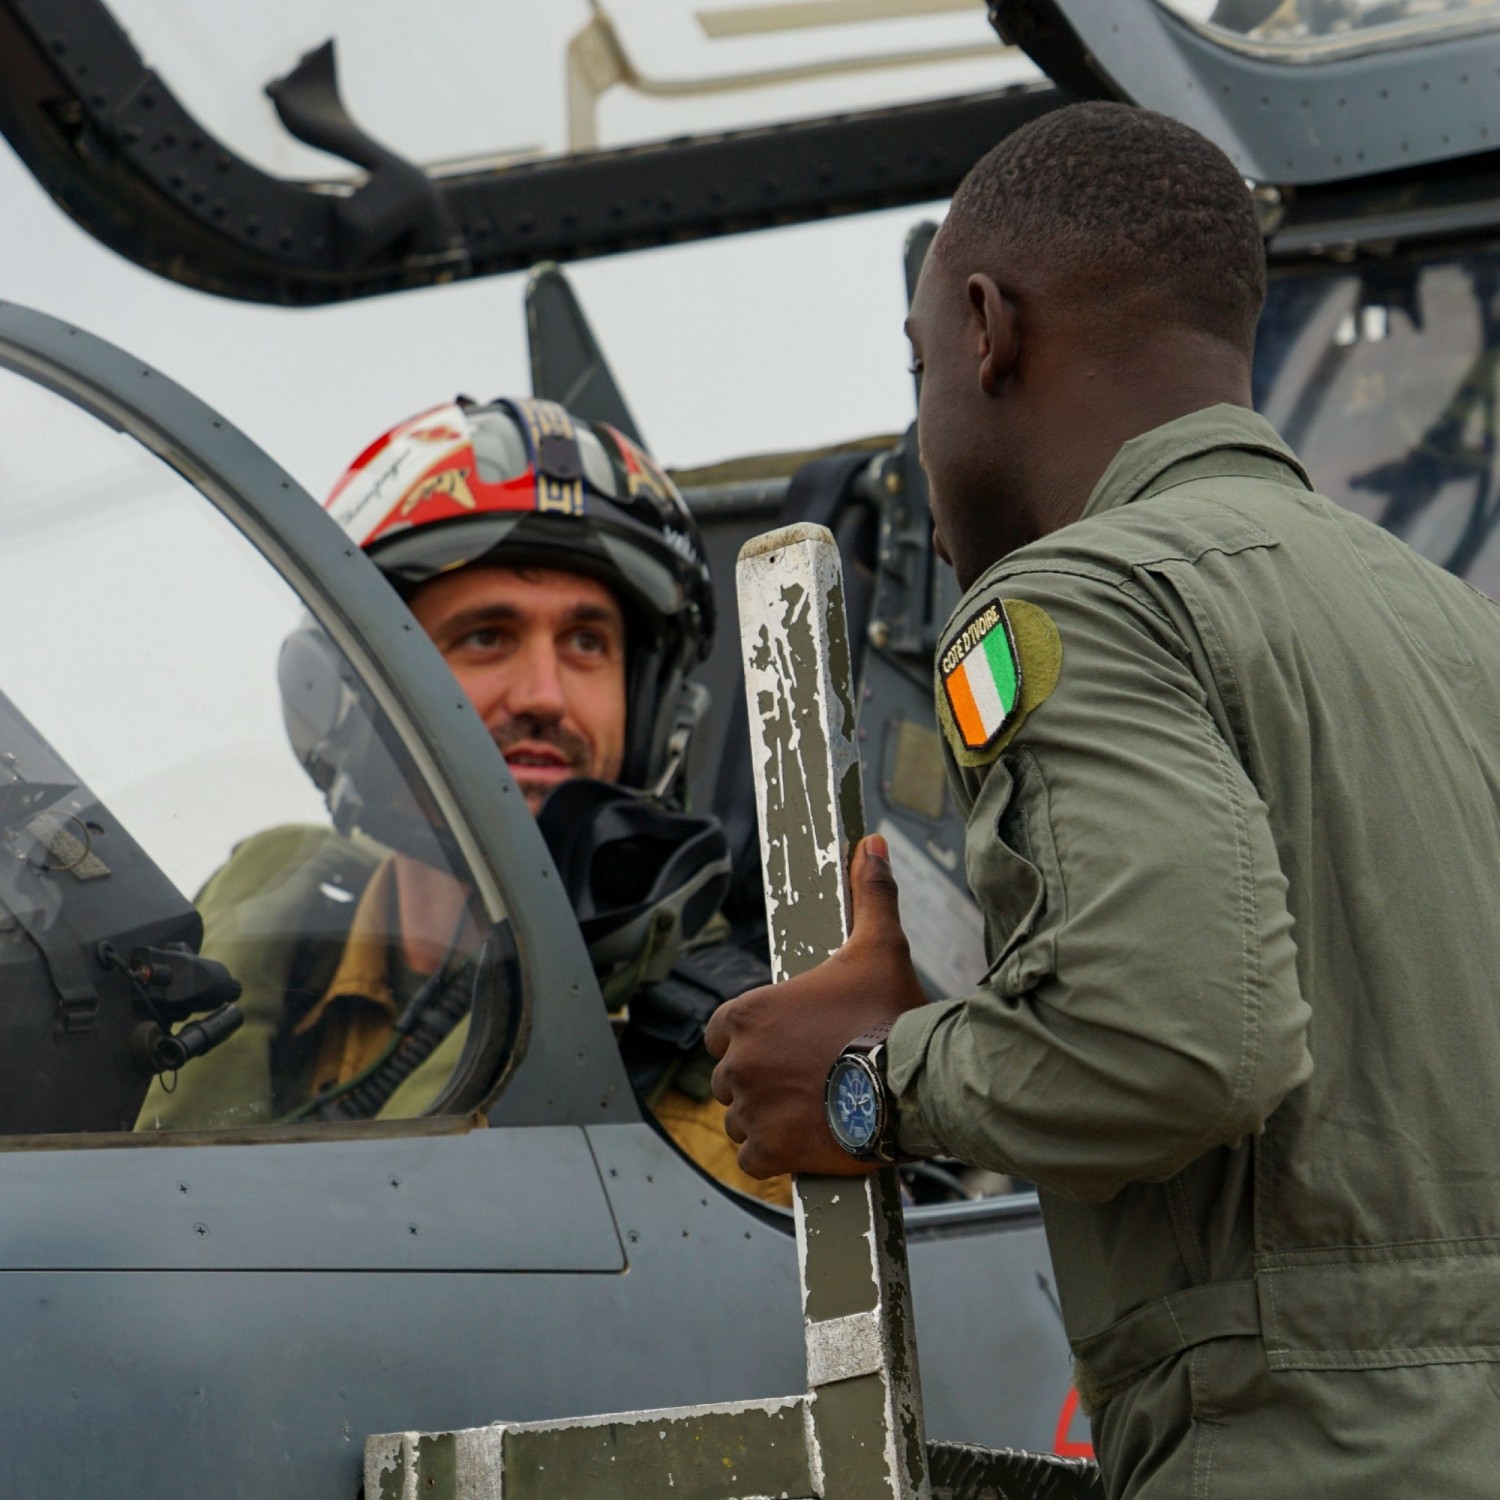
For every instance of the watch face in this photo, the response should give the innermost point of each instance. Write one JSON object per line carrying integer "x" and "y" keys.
{"x": 854, "y": 1104}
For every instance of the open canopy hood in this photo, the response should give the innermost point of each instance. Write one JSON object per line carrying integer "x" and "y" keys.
{"x": 1362, "y": 121}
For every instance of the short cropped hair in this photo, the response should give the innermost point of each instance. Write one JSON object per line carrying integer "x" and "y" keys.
{"x": 1114, "y": 201}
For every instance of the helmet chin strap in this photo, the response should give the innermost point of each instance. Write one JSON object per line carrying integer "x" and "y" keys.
{"x": 676, "y": 753}
{"x": 690, "y": 710}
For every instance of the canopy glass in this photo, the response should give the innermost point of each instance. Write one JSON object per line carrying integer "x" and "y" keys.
{"x": 454, "y": 84}
{"x": 156, "y": 755}
{"x": 1309, "y": 31}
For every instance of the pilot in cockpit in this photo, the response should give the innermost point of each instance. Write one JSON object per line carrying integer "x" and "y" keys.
{"x": 563, "y": 580}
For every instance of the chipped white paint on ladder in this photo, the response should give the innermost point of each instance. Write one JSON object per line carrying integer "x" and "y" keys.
{"x": 805, "y": 760}
{"x": 479, "y": 1452}
{"x": 802, "y": 746}
{"x": 841, "y": 1348}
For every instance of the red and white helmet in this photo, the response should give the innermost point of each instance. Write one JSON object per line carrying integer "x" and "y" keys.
{"x": 523, "y": 483}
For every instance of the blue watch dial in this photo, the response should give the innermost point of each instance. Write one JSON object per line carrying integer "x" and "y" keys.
{"x": 854, "y": 1106}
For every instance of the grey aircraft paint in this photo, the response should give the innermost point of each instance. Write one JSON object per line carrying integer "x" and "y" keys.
{"x": 271, "y": 1297}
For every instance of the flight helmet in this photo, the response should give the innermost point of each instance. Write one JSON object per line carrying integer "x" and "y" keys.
{"x": 521, "y": 483}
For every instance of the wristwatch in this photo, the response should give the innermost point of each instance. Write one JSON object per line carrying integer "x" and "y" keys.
{"x": 861, "y": 1112}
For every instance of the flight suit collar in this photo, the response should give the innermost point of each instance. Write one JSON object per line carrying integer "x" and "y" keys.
{"x": 1218, "y": 441}
{"x": 364, "y": 968}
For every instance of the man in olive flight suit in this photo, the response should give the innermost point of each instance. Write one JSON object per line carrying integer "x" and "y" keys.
{"x": 1231, "y": 762}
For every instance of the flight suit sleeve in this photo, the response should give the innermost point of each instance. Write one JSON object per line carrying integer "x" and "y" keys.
{"x": 254, "y": 910}
{"x": 231, "y": 1085}
{"x": 1142, "y": 1004}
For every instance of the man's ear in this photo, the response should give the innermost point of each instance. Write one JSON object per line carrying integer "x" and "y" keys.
{"x": 994, "y": 320}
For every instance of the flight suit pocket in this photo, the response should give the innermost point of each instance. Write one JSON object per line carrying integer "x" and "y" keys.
{"x": 1012, "y": 868}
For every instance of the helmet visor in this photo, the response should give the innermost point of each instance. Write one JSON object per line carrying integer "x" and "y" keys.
{"x": 525, "y": 539}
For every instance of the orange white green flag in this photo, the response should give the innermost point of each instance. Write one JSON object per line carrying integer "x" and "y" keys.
{"x": 981, "y": 676}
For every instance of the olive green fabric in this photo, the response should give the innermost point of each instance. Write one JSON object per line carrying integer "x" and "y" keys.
{"x": 277, "y": 914}
{"x": 1239, "y": 875}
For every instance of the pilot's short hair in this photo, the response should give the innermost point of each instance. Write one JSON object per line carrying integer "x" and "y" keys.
{"x": 1116, "y": 200}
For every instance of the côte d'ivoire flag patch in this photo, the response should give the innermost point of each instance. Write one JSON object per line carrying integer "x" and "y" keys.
{"x": 981, "y": 675}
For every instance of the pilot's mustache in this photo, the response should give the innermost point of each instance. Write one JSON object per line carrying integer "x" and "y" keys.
{"x": 540, "y": 732}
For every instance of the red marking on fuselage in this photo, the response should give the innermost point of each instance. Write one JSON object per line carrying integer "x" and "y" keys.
{"x": 1062, "y": 1444}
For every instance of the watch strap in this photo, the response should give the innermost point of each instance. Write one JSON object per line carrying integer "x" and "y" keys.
{"x": 868, "y": 1041}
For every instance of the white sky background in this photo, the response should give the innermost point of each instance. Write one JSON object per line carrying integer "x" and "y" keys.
{"x": 159, "y": 686}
